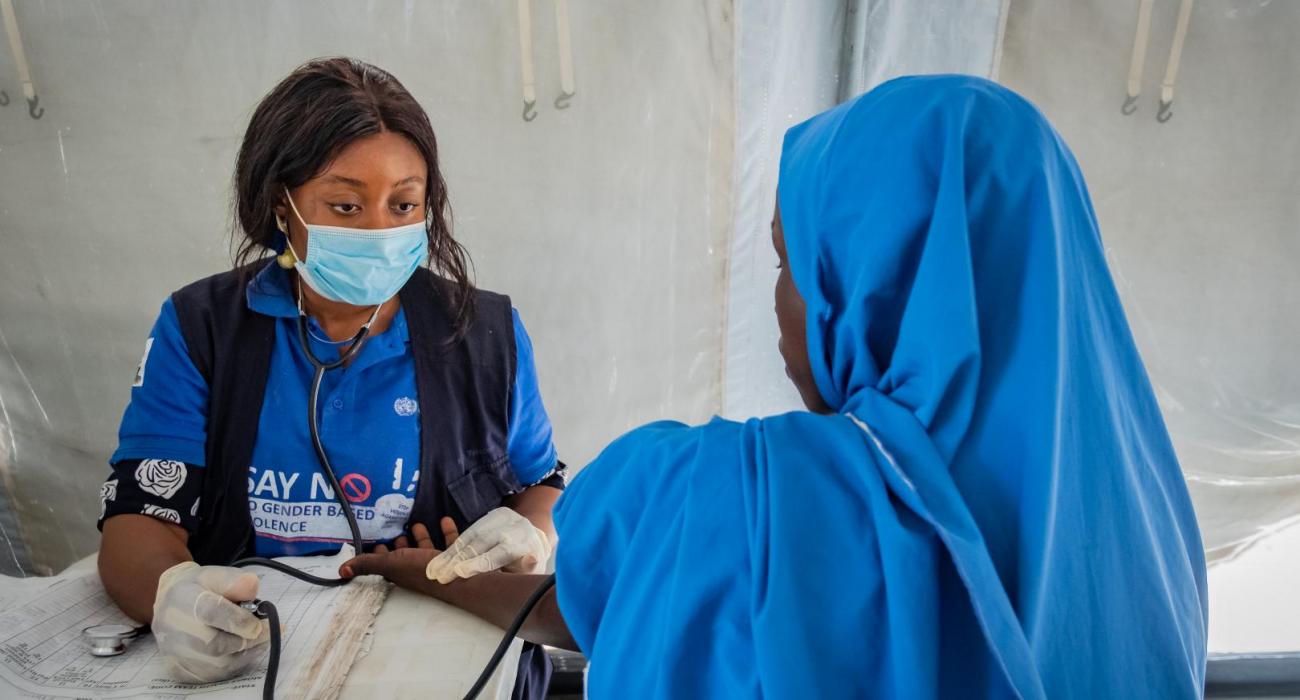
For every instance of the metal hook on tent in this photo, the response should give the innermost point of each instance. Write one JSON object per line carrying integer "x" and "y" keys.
{"x": 20, "y": 59}
{"x": 562, "y": 37}
{"x": 1130, "y": 104}
{"x": 1175, "y": 57}
{"x": 526, "y": 60}
{"x": 1141, "y": 37}
{"x": 1165, "y": 112}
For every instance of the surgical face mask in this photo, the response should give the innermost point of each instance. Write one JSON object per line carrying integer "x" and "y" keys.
{"x": 362, "y": 267}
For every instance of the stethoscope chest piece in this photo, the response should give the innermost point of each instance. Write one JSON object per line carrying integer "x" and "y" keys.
{"x": 109, "y": 640}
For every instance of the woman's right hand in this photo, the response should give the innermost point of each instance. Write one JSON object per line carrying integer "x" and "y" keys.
{"x": 199, "y": 625}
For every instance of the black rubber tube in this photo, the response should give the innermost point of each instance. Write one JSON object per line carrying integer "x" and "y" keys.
{"x": 273, "y": 662}
{"x": 508, "y": 637}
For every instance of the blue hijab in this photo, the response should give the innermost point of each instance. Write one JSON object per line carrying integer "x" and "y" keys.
{"x": 995, "y": 509}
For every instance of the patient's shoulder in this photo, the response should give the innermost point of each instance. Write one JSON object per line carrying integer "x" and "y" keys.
{"x": 671, "y": 440}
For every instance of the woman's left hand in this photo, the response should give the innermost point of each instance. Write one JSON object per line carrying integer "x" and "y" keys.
{"x": 503, "y": 539}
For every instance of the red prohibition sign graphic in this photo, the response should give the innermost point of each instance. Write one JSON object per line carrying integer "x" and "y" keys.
{"x": 356, "y": 488}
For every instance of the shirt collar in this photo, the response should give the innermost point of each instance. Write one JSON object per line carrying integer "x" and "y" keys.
{"x": 271, "y": 293}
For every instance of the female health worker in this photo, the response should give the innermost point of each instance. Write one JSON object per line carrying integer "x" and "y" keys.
{"x": 981, "y": 501}
{"x": 435, "y": 420}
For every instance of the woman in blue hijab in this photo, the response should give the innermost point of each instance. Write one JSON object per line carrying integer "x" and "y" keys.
{"x": 982, "y": 500}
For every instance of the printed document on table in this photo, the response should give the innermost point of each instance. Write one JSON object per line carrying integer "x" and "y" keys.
{"x": 44, "y": 655}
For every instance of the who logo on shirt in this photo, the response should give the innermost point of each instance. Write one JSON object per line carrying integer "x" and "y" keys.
{"x": 405, "y": 406}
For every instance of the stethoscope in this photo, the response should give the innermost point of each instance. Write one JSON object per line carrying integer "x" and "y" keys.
{"x": 113, "y": 639}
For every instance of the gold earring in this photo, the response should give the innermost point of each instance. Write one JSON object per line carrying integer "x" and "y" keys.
{"x": 286, "y": 259}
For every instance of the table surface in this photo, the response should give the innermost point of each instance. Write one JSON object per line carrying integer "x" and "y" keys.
{"x": 424, "y": 648}
{"x": 421, "y": 648}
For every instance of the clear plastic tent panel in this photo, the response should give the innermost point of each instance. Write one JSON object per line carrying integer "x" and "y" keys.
{"x": 605, "y": 220}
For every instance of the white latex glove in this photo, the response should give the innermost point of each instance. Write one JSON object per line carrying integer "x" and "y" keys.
{"x": 502, "y": 539}
{"x": 207, "y": 637}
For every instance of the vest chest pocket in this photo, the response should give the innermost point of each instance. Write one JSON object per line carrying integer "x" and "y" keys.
{"x": 482, "y": 489}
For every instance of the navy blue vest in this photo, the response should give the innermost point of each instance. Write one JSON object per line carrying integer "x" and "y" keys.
{"x": 464, "y": 469}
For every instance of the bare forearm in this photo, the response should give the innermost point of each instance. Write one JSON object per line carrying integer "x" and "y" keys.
{"x": 134, "y": 552}
{"x": 536, "y": 503}
{"x": 497, "y": 598}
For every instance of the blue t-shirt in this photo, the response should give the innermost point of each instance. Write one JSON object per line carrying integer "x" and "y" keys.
{"x": 369, "y": 425}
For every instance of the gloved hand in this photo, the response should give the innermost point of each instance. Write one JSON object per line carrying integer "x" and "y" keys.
{"x": 207, "y": 637}
{"x": 502, "y": 539}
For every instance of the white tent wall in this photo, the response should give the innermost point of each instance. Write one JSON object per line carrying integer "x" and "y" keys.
{"x": 892, "y": 38}
{"x": 1201, "y": 219}
{"x": 606, "y": 222}
{"x": 797, "y": 58}
{"x": 787, "y": 69}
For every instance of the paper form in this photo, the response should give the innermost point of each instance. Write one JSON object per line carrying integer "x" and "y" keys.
{"x": 43, "y": 654}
